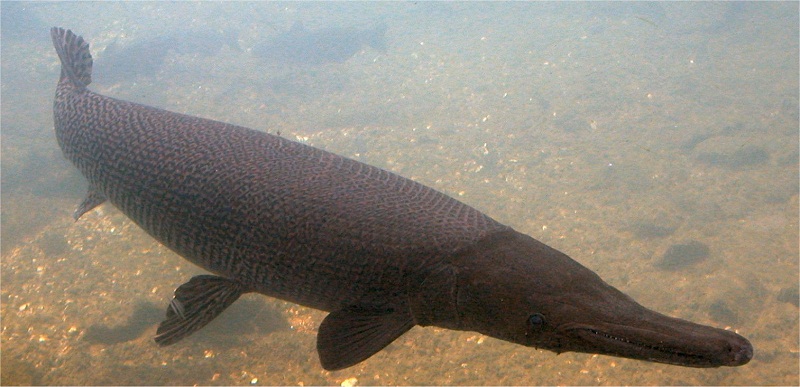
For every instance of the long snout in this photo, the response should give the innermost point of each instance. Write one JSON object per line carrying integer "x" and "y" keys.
{"x": 655, "y": 337}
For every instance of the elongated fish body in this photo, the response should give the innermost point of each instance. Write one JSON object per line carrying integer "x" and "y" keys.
{"x": 302, "y": 46}
{"x": 279, "y": 217}
{"x": 380, "y": 252}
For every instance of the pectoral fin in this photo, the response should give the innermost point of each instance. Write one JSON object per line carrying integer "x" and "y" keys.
{"x": 349, "y": 336}
{"x": 196, "y": 303}
{"x": 93, "y": 199}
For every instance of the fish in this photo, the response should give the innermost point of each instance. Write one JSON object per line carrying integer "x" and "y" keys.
{"x": 326, "y": 45}
{"x": 146, "y": 57}
{"x": 379, "y": 252}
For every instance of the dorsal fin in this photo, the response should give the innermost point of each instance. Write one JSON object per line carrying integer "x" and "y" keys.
{"x": 76, "y": 60}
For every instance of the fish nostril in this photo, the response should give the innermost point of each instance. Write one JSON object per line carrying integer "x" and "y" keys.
{"x": 742, "y": 353}
{"x": 746, "y": 353}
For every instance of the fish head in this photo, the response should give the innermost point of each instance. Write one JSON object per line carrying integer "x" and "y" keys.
{"x": 517, "y": 289}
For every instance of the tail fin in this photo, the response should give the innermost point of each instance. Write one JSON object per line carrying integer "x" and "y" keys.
{"x": 76, "y": 60}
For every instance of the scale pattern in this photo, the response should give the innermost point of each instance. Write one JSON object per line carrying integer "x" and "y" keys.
{"x": 279, "y": 217}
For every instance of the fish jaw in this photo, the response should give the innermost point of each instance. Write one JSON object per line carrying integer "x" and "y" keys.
{"x": 669, "y": 340}
{"x": 517, "y": 289}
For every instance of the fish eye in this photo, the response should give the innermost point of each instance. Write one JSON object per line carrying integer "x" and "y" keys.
{"x": 536, "y": 321}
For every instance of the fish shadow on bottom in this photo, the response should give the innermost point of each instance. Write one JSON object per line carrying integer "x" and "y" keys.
{"x": 246, "y": 317}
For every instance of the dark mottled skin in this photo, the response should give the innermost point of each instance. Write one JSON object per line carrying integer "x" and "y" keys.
{"x": 380, "y": 252}
{"x": 282, "y": 218}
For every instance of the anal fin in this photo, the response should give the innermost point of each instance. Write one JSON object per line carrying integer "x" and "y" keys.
{"x": 196, "y": 303}
{"x": 93, "y": 199}
{"x": 348, "y": 336}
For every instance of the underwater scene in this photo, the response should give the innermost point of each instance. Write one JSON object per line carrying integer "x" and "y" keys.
{"x": 655, "y": 143}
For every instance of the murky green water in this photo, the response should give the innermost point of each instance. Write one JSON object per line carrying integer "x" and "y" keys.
{"x": 617, "y": 133}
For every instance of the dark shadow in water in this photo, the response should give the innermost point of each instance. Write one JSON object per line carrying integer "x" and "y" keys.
{"x": 144, "y": 315}
{"x": 722, "y": 313}
{"x": 649, "y": 230}
{"x": 243, "y": 318}
{"x": 145, "y": 57}
{"x": 300, "y": 46}
{"x": 790, "y": 295}
{"x": 681, "y": 256}
{"x": 745, "y": 157}
{"x": 14, "y": 372}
